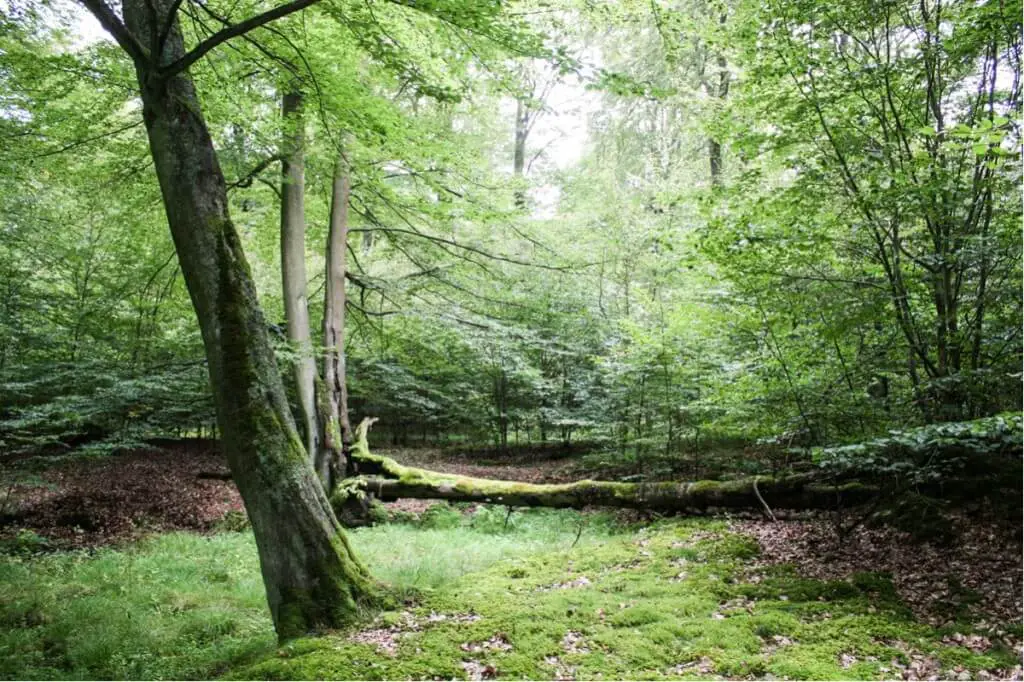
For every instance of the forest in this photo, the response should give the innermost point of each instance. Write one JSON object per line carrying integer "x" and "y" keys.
{"x": 530, "y": 339}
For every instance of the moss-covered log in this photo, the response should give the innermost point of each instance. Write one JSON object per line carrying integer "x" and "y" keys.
{"x": 791, "y": 492}
{"x": 387, "y": 480}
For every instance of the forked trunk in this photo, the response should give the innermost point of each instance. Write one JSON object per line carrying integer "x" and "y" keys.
{"x": 313, "y": 580}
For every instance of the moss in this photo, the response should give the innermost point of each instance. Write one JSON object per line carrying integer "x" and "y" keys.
{"x": 731, "y": 546}
{"x": 633, "y": 618}
{"x": 465, "y": 486}
{"x": 642, "y": 614}
{"x": 703, "y": 487}
{"x": 877, "y": 585}
{"x": 378, "y": 512}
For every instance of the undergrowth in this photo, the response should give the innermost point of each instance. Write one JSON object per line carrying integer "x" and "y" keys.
{"x": 186, "y": 606}
{"x": 535, "y": 595}
{"x": 678, "y": 600}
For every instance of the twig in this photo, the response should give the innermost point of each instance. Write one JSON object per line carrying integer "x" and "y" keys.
{"x": 767, "y": 509}
{"x": 579, "y": 532}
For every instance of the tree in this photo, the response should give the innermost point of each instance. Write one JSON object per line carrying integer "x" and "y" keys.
{"x": 530, "y": 103}
{"x": 895, "y": 132}
{"x": 336, "y": 425}
{"x": 312, "y": 578}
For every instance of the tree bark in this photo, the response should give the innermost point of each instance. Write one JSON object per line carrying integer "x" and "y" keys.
{"x": 312, "y": 578}
{"x": 293, "y": 265}
{"x": 335, "y": 419}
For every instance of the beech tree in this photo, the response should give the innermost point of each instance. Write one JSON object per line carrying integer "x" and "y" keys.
{"x": 313, "y": 580}
{"x": 335, "y": 423}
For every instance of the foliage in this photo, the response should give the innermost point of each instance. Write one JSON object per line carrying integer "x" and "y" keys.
{"x": 875, "y": 198}
{"x": 928, "y": 454}
{"x": 95, "y": 405}
{"x": 776, "y": 223}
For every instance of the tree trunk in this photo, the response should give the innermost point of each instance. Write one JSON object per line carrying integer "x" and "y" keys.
{"x": 790, "y": 492}
{"x": 293, "y": 265}
{"x": 388, "y": 480}
{"x": 337, "y": 427}
{"x": 519, "y": 149}
{"x": 313, "y": 581}
{"x": 719, "y": 90}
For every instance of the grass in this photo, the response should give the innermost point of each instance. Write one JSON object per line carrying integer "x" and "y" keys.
{"x": 185, "y": 606}
{"x": 177, "y": 606}
{"x": 679, "y": 599}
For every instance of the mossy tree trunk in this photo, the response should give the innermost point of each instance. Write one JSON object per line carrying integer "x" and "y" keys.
{"x": 312, "y": 578}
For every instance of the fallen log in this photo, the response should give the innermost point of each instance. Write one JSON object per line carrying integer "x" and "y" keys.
{"x": 387, "y": 480}
{"x": 789, "y": 492}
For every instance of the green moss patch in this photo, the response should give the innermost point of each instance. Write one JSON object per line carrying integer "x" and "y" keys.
{"x": 539, "y": 595}
{"x": 678, "y": 600}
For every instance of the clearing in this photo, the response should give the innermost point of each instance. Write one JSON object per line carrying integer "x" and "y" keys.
{"x": 483, "y": 594}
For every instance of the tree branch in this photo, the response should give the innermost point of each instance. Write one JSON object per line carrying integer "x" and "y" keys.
{"x": 226, "y": 34}
{"x": 116, "y": 28}
{"x": 246, "y": 180}
{"x": 165, "y": 32}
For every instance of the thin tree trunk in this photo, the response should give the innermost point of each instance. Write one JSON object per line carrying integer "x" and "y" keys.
{"x": 335, "y": 419}
{"x": 720, "y": 90}
{"x": 714, "y": 146}
{"x": 313, "y": 580}
{"x": 293, "y": 265}
{"x": 519, "y": 149}
{"x": 715, "y": 161}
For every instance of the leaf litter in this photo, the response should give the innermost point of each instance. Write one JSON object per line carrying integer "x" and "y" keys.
{"x": 980, "y": 571}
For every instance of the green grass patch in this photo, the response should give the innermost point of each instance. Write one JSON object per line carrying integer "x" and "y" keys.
{"x": 181, "y": 606}
{"x": 677, "y": 600}
{"x": 175, "y": 606}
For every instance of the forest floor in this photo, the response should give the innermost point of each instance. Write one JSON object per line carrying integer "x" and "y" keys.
{"x": 151, "y": 582}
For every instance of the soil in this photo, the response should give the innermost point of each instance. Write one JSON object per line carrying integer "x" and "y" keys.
{"x": 101, "y": 501}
